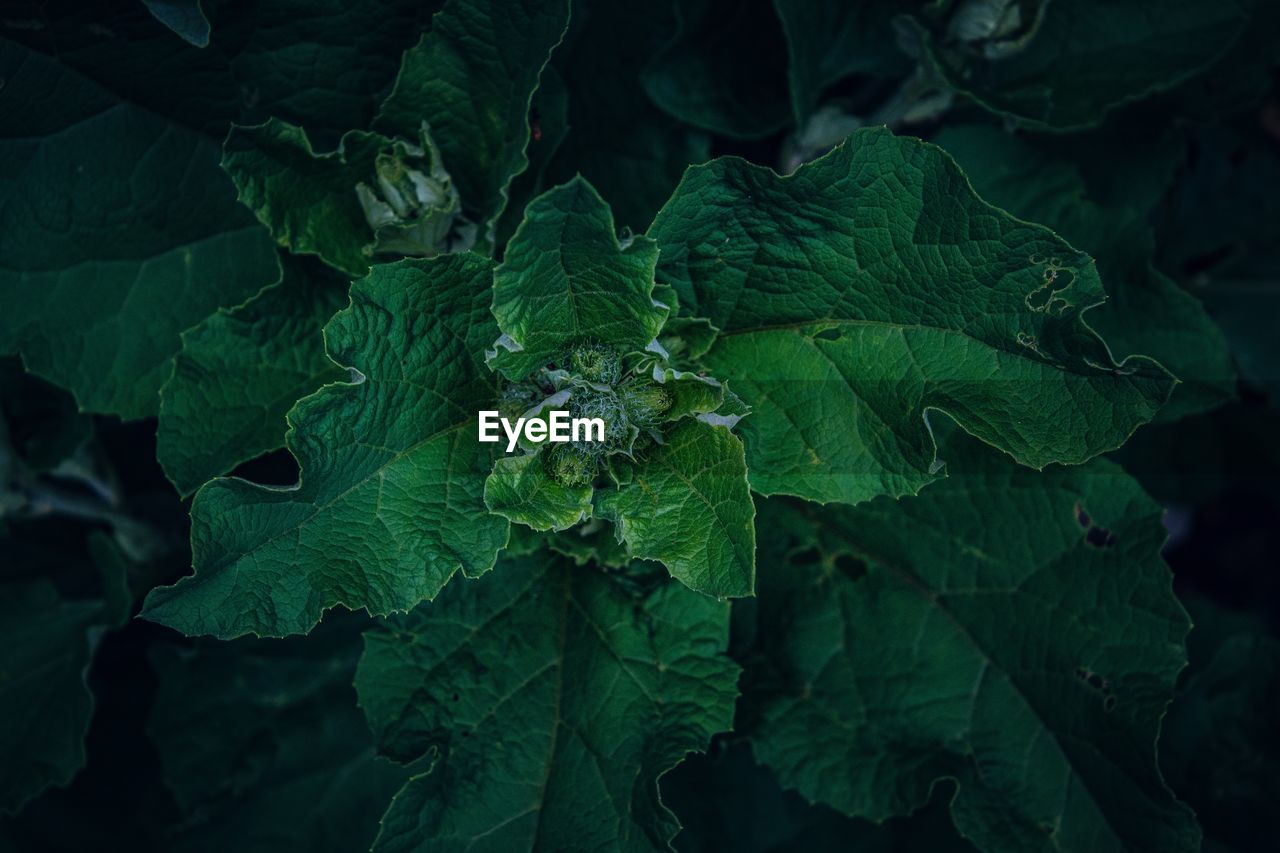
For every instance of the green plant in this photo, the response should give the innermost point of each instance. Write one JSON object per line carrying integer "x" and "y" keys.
{"x": 894, "y": 392}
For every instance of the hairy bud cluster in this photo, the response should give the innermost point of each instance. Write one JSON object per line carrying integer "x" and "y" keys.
{"x": 594, "y": 363}
{"x": 597, "y": 386}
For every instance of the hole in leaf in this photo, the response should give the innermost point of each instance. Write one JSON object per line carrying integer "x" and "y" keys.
{"x": 1094, "y": 681}
{"x": 807, "y": 557}
{"x": 1100, "y": 537}
{"x": 828, "y": 335}
{"x": 1095, "y": 535}
{"x": 851, "y": 567}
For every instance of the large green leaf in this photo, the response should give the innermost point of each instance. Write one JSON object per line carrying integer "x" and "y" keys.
{"x": 724, "y": 69}
{"x": 1224, "y": 211}
{"x": 687, "y": 504}
{"x": 471, "y": 79}
{"x": 321, "y": 64}
{"x": 1219, "y": 746}
{"x": 39, "y": 425}
{"x": 567, "y": 280}
{"x": 1011, "y": 630}
{"x": 1061, "y": 66}
{"x": 47, "y": 642}
{"x": 548, "y": 124}
{"x": 871, "y": 287}
{"x": 240, "y": 372}
{"x": 389, "y": 503}
{"x": 184, "y": 17}
{"x": 119, "y": 232}
{"x": 1241, "y": 78}
{"x": 726, "y": 801}
{"x": 1145, "y": 311}
{"x": 631, "y": 151}
{"x": 548, "y": 698}
{"x": 307, "y": 201}
{"x": 263, "y": 747}
{"x": 828, "y": 40}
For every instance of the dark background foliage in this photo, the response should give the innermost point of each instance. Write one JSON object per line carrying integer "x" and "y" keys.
{"x": 178, "y": 756}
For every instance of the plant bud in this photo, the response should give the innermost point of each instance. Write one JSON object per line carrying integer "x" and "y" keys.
{"x": 595, "y": 363}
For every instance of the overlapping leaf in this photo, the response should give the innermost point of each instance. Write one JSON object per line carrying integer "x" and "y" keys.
{"x": 549, "y": 698}
{"x": 471, "y": 80}
{"x": 322, "y": 64}
{"x": 723, "y": 69}
{"x": 1219, "y": 747}
{"x": 389, "y": 502}
{"x": 566, "y": 280}
{"x": 726, "y": 801}
{"x": 47, "y": 642}
{"x": 184, "y": 17}
{"x": 872, "y": 287}
{"x": 239, "y": 373}
{"x": 1064, "y": 65}
{"x": 830, "y": 40}
{"x": 688, "y": 505}
{"x": 631, "y": 151}
{"x": 373, "y": 195}
{"x": 263, "y": 747}
{"x": 523, "y": 490}
{"x": 107, "y": 256}
{"x": 1011, "y": 630}
{"x": 1146, "y": 312}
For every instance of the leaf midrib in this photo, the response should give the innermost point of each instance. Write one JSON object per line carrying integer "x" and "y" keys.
{"x": 935, "y": 597}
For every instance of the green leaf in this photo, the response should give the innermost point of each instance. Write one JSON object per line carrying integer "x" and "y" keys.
{"x": 898, "y": 292}
{"x": 349, "y": 205}
{"x": 389, "y": 503}
{"x": 1012, "y": 630}
{"x": 1240, "y": 78}
{"x": 184, "y": 17}
{"x": 593, "y": 543}
{"x": 47, "y": 643}
{"x": 1225, "y": 208}
{"x": 471, "y": 79}
{"x": 1062, "y": 66}
{"x": 548, "y": 699}
{"x": 263, "y": 747}
{"x": 1145, "y": 312}
{"x": 686, "y": 393}
{"x": 567, "y": 280}
{"x": 108, "y": 257}
{"x": 322, "y": 64}
{"x": 39, "y": 424}
{"x": 631, "y": 151}
{"x": 241, "y": 371}
{"x": 548, "y": 125}
{"x": 726, "y": 801}
{"x": 724, "y": 70}
{"x": 521, "y": 489}
{"x": 1218, "y": 746}
{"x": 688, "y": 506}
{"x": 830, "y": 40}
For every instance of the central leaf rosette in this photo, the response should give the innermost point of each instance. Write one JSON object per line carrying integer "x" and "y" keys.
{"x": 580, "y": 334}
{"x": 634, "y": 396}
